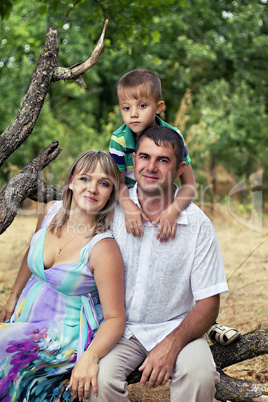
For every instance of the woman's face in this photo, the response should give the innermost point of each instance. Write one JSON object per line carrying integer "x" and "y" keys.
{"x": 91, "y": 190}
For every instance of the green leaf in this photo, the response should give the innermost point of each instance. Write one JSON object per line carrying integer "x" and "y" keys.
{"x": 156, "y": 36}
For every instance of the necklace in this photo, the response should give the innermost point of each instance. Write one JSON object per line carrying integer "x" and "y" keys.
{"x": 61, "y": 248}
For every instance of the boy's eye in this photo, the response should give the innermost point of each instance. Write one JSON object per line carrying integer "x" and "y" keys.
{"x": 126, "y": 108}
{"x": 143, "y": 105}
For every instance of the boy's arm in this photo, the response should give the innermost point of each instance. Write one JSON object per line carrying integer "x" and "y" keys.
{"x": 133, "y": 213}
{"x": 168, "y": 219}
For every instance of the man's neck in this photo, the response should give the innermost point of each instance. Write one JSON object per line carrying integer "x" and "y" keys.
{"x": 154, "y": 204}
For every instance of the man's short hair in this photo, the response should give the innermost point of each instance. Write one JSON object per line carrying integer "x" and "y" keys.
{"x": 162, "y": 135}
{"x": 140, "y": 83}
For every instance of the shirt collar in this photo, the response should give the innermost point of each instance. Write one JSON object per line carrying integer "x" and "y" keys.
{"x": 129, "y": 137}
{"x": 182, "y": 218}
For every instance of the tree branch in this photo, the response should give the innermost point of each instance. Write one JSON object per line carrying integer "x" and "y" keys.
{"x": 33, "y": 100}
{"x": 24, "y": 183}
{"x": 73, "y": 73}
{"x": 27, "y": 182}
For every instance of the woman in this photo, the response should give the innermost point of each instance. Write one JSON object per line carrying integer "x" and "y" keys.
{"x": 68, "y": 306}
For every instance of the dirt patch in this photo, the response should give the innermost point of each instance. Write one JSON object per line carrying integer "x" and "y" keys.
{"x": 245, "y": 257}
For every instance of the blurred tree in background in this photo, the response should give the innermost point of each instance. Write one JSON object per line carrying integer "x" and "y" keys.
{"x": 213, "y": 53}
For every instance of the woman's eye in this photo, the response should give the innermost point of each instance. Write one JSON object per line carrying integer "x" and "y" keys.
{"x": 83, "y": 178}
{"x": 105, "y": 183}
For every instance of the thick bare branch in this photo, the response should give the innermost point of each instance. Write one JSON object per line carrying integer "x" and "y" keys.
{"x": 46, "y": 71}
{"x": 33, "y": 100}
{"x": 23, "y": 184}
{"x": 46, "y": 192}
{"x": 89, "y": 63}
{"x": 27, "y": 182}
{"x": 233, "y": 389}
{"x": 72, "y": 73}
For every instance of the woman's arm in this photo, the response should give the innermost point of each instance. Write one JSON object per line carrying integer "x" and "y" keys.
{"x": 22, "y": 276}
{"x": 107, "y": 265}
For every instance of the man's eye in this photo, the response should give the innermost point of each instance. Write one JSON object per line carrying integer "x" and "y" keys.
{"x": 163, "y": 160}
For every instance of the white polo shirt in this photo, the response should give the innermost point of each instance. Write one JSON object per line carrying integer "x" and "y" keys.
{"x": 163, "y": 280}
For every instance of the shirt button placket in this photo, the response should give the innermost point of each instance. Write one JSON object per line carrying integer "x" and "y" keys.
{"x": 143, "y": 271}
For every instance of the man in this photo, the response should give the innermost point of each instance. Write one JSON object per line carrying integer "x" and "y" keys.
{"x": 171, "y": 289}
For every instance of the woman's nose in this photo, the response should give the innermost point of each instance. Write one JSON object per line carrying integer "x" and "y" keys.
{"x": 92, "y": 186}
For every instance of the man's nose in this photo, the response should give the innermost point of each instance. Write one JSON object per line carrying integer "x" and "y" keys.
{"x": 152, "y": 167}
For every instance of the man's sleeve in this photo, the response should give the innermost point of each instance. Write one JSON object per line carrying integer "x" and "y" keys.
{"x": 117, "y": 151}
{"x": 208, "y": 276}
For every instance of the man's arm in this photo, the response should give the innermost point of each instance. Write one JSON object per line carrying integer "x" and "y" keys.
{"x": 159, "y": 364}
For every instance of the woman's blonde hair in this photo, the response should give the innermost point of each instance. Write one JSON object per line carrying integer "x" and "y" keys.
{"x": 86, "y": 162}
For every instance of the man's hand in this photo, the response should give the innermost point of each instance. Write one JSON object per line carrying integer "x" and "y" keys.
{"x": 158, "y": 365}
{"x": 167, "y": 224}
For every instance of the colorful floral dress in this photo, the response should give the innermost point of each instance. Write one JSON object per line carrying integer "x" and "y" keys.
{"x": 55, "y": 319}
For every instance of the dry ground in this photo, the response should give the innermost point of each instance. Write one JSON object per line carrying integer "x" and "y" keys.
{"x": 245, "y": 256}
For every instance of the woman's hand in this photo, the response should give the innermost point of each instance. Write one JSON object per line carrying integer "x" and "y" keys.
{"x": 84, "y": 375}
{"x": 9, "y": 308}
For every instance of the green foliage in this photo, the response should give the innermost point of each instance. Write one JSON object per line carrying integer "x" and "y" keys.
{"x": 216, "y": 49}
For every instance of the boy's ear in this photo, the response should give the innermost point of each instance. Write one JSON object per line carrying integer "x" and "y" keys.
{"x": 180, "y": 169}
{"x": 160, "y": 107}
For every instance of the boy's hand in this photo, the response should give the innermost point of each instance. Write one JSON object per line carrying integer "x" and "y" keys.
{"x": 133, "y": 219}
{"x": 167, "y": 224}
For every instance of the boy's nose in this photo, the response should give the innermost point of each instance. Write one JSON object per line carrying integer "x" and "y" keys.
{"x": 134, "y": 112}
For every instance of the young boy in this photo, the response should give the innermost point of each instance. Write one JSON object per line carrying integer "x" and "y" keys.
{"x": 140, "y": 101}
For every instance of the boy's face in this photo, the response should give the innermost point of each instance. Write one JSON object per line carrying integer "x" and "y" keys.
{"x": 139, "y": 114}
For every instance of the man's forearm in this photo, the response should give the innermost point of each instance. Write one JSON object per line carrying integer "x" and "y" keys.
{"x": 196, "y": 323}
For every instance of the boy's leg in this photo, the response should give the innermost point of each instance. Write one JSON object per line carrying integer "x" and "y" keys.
{"x": 194, "y": 376}
{"x": 114, "y": 369}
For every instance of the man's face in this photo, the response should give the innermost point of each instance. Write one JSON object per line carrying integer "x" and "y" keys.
{"x": 155, "y": 167}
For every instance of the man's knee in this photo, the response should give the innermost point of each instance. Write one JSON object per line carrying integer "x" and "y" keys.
{"x": 195, "y": 374}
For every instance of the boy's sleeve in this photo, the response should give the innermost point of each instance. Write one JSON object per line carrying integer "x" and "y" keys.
{"x": 186, "y": 157}
{"x": 117, "y": 151}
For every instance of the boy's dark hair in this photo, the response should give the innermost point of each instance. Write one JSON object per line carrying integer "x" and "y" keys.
{"x": 140, "y": 83}
{"x": 162, "y": 135}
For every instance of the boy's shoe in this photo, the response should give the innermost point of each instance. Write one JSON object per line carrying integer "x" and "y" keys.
{"x": 223, "y": 335}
